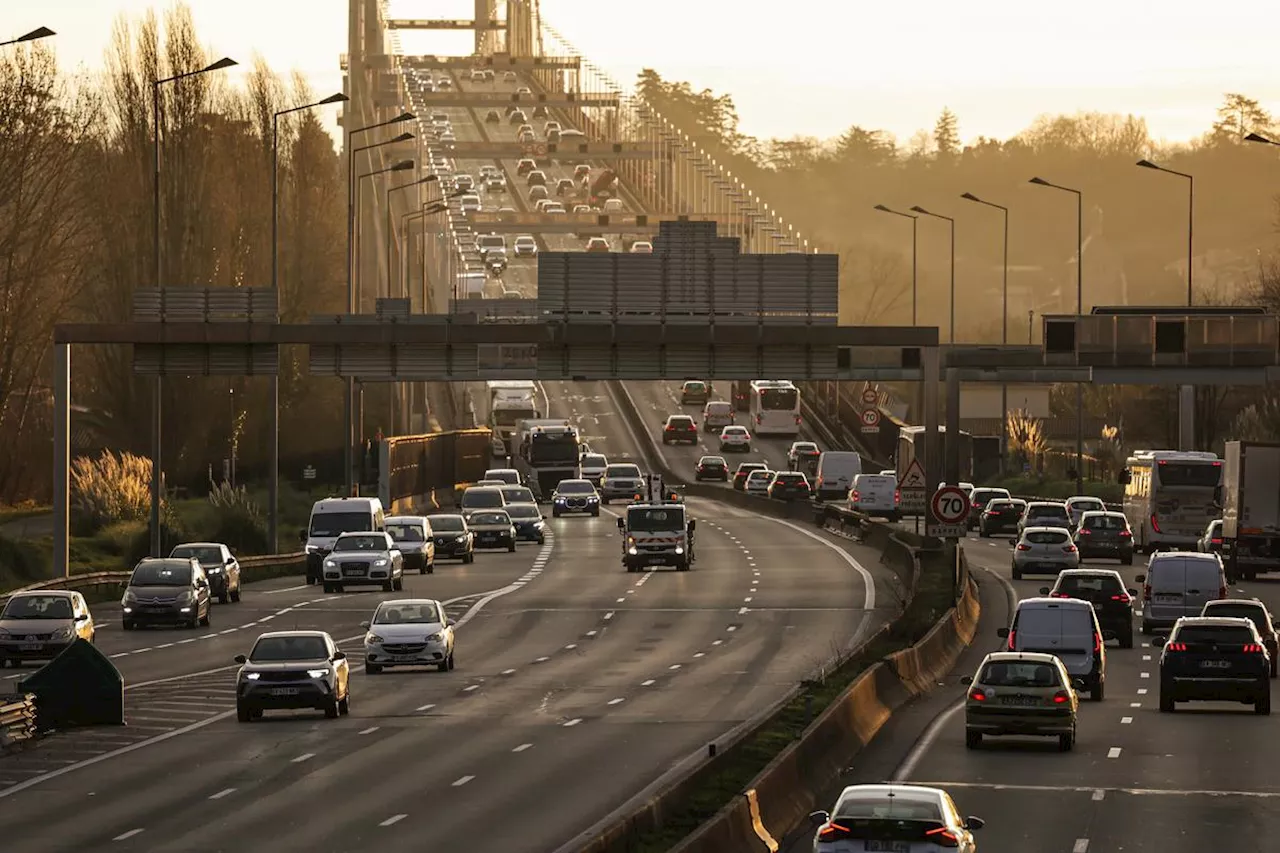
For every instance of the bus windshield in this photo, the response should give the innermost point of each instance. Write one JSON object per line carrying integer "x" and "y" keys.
{"x": 778, "y": 398}
{"x": 1202, "y": 474}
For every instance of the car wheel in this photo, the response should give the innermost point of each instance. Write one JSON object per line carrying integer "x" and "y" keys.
{"x": 235, "y": 594}
{"x": 243, "y": 713}
{"x": 372, "y": 668}
{"x": 972, "y": 740}
{"x": 126, "y": 625}
{"x": 982, "y": 533}
{"x": 328, "y": 588}
{"x": 470, "y": 557}
{"x": 1067, "y": 742}
{"x": 224, "y": 597}
{"x": 208, "y": 611}
{"x": 511, "y": 546}
{"x": 1128, "y": 561}
{"x": 1126, "y": 641}
{"x": 1098, "y": 691}
{"x": 398, "y": 583}
{"x": 331, "y": 708}
{"x": 595, "y": 513}
{"x": 1263, "y": 705}
{"x": 1275, "y": 666}
{"x": 1017, "y": 573}
{"x": 389, "y": 585}
{"x": 1166, "y": 704}
{"x": 344, "y": 704}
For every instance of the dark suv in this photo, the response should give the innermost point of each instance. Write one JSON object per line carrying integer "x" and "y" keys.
{"x": 1257, "y": 613}
{"x": 1104, "y": 534}
{"x": 712, "y": 468}
{"x": 1000, "y": 516}
{"x": 1214, "y": 659}
{"x": 680, "y": 428}
{"x": 1105, "y": 590}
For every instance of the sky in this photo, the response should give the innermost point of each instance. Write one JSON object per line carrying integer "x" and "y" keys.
{"x": 890, "y": 67}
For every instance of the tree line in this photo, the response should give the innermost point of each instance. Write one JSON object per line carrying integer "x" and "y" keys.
{"x": 76, "y": 241}
{"x": 1134, "y": 227}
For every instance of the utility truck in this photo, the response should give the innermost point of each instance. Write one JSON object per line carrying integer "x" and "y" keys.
{"x": 656, "y": 529}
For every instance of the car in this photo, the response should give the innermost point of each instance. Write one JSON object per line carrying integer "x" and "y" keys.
{"x": 512, "y": 108}
{"x": 553, "y": 136}
{"x": 677, "y": 428}
{"x": 620, "y": 480}
{"x": 525, "y": 166}
{"x": 582, "y": 171}
{"x": 1045, "y": 514}
{"x": 495, "y": 262}
{"x": 566, "y": 186}
{"x": 694, "y": 393}
{"x": 1105, "y": 590}
{"x": 453, "y": 538}
{"x": 495, "y": 184}
{"x": 592, "y": 466}
{"x": 525, "y": 136}
{"x": 789, "y": 485}
{"x": 1210, "y": 541}
{"x": 614, "y": 205}
{"x": 1069, "y": 628}
{"x": 517, "y": 117}
{"x": 641, "y": 247}
{"x": 493, "y": 528}
{"x": 220, "y": 567}
{"x": 734, "y": 437}
{"x": 597, "y": 244}
{"x": 1000, "y": 516}
{"x": 509, "y": 77}
{"x": 464, "y": 182}
{"x": 1178, "y": 584}
{"x": 525, "y": 245}
{"x": 536, "y": 178}
{"x": 482, "y": 497}
{"x": 525, "y": 128}
{"x": 416, "y": 541}
{"x": 1044, "y": 550}
{"x": 471, "y": 204}
{"x": 539, "y": 193}
{"x": 408, "y": 632}
{"x": 524, "y": 90}
{"x": 1080, "y": 504}
{"x": 1104, "y": 534}
{"x": 519, "y": 495}
{"x": 582, "y": 208}
{"x": 758, "y": 482}
{"x": 712, "y": 468}
{"x": 549, "y": 126}
{"x": 528, "y": 521}
{"x": 802, "y": 456}
{"x": 490, "y": 482}
{"x": 504, "y": 476}
{"x": 893, "y": 817}
{"x": 553, "y": 207}
{"x": 1020, "y": 693}
{"x": 979, "y": 500}
{"x": 716, "y": 415}
{"x": 293, "y": 670}
{"x": 167, "y": 591}
{"x": 489, "y": 170}
{"x": 444, "y": 83}
{"x": 577, "y": 496}
{"x": 744, "y": 470}
{"x": 835, "y": 473}
{"x": 876, "y": 495}
{"x": 540, "y": 111}
{"x": 1257, "y": 613}
{"x": 370, "y": 558}
{"x": 39, "y": 624}
{"x": 447, "y": 138}
{"x": 1214, "y": 659}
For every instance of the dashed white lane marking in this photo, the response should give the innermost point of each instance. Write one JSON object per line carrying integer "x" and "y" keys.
{"x": 522, "y": 747}
{"x": 573, "y": 722}
{"x": 647, "y": 683}
{"x": 1144, "y": 675}
{"x": 716, "y": 642}
{"x": 700, "y": 654}
{"x": 620, "y": 600}
{"x": 1113, "y": 752}
{"x": 732, "y": 628}
{"x": 617, "y": 701}
{"x": 394, "y": 819}
{"x": 306, "y": 756}
{"x": 124, "y": 836}
{"x": 1146, "y": 657}
{"x": 1135, "y": 704}
{"x": 427, "y": 707}
{"x": 747, "y": 600}
{"x": 508, "y": 671}
{"x": 1124, "y": 721}
{"x": 592, "y": 633}
{"x": 369, "y": 730}
{"x": 543, "y": 659}
{"x": 222, "y": 793}
{"x": 470, "y": 687}
{"x": 572, "y": 646}
{"x": 1081, "y": 846}
{"x": 743, "y": 611}
{"x": 609, "y": 615}
{"x": 459, "y": 782}
{"x": 674, "y": 666}
{"x": 1142, "y": 691}
{"x": 1098, "y": 795}
{"x": 170, "y": 645}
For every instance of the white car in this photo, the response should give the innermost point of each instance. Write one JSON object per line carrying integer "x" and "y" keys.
{"x": 758, "y": 482}
{"x": 593, "y": 466}
{"x": 553, "y": 207}
{"x": 894, "y": 817}
{"x": 408, "y": 632}
{"x": 734, "y": 437}
{"x": 642, "y": 247}
{"x": 471, "y": 204}
{"x": 525, "y": 245}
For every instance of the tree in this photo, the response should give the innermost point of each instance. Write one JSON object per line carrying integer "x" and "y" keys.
{"x": 873, "y": 286}
{"x": 946, "y": 136}
{"x": 867, "y": 149}
{"x": 1237, "y": 118}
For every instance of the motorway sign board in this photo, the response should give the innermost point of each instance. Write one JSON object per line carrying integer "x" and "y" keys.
{"x": 950, "y": 510}
{"x": 870, "y": 420}
{"x": 870, "y": 397}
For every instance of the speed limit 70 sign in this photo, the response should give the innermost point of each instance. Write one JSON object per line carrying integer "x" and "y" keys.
{"x": 950, "y": 511}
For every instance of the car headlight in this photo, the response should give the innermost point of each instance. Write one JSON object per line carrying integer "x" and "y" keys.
{"x": 253, "y": 676}
{"x": 593, "y": 500}
{"x": 4, "y": 633}
{"x": 679, "y": 549}
{"x": 318, "y": 673}
{"x": 380, "y": 562}
{"x": 129, "y": 597}
{"x": 462, "y": 538}
{"x": 372, "y": 638}
{"x": 214, "y": 570}
{"x": 559, "y": 499}
{"x": 632, "y": 551}
{"x": 435, "y": 638}
{"x": 330, "y": 564}
{"x": 313, "y": 549}
{"x": 62, "y": 633}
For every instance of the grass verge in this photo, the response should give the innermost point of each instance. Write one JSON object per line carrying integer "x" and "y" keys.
{"x": 20, "y": 511}
{"x": 746, "y": 759}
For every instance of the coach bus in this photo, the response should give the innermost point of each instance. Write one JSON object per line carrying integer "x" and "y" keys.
{"x": 1171, "y": 496}
{"x": 775, "y": 407}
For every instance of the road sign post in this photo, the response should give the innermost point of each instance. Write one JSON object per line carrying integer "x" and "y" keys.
{"x": 950, "y": 507}
{"x": 870, "y": 420}
{"x": 870, "y": 397}
{"x": 912, "y": 489}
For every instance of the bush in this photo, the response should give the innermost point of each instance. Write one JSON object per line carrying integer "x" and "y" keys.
{"x": 23, "y": 562}
{"x": 109, "y": 489}
{"x": 238, "y": 521}
{"x": 172, "y": 533}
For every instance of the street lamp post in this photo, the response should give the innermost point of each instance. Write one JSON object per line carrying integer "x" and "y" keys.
{"x": 37, "y": 33}
{"x": 1004, "y": 322}
{"x": 914, "y": 222}
{"x": 395, "y": 388}
{"x": 157, "y": 419}
{"x": 951, "y": 337}
{"x": 1041, "y": 182}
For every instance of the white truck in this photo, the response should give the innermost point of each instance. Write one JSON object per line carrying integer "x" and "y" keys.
{"x": 510, "y": 401}
{"x": 657, "y": 530}
{"x": 1250, "y": 508}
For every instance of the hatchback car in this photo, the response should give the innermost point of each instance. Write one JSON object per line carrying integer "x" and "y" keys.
{"x": 789, "y": 486}
{"x": 39, "y": 624}
{"x": 597, "y": 244}
{"x": 1077, "y": 506}
{"x": 453, "y": 539}
{"x": 293, "y": 670}
{"x": 895, "y": 817}
{"x": 565, "y": 186}
{"x": 803, "y": 455}
{"x": 744, "y": 470}
{"x": 575, "y": 496}
{"x": 528, "y": 521}
{"x": 1105, "y": 590}
{"x": 525, "y": 246}
{"x": 1001, "y": 516}
{"x": 1104, "y": 534}
{"x": 525, "y": 166}
{"x": 492, "y": 117}
{"x": 517, "y": 118}
{"x": 712, "y": 468}
{"x": 679, "y": 428}
{"x": 166, "y": 591}
{"x": 1045, "y": 514}
{"x": 518, "y": 495}
{"x": 1257, "y": 613}
{"x": 1044, "y": 550}
{"x": 758, "y": 482}
{"x": 1210, "y": 541}
{"x": 734, "y": 437}
{"x": 493, "y": 529}
{"x": 219, "y": 564}
{"x": 536, "y": 178}
{"x": 1020, "y": 693}
{"x": 408, "y": 632}
{"x": 694, "y": 393}
{"x": 979, "y": 499}
{"x": 1214, "y": 659}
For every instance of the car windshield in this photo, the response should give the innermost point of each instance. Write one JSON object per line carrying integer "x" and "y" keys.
{"x": 681, "y": 421}
{"x": 481, "y": 498}
{"x": 204, "y": 555}
{"x": 594, "y": 460}
{"x": 161, "y": 574}
{"x": 622, "y": 471}
{"x": 789, "y": 478}
{"x": 506, "y": 475}
{"x": 734, "y": 430}
{"x": 1223, "y": 635}
{"x": 518, "y": 495}
{"x": 748, "y": 467}
{"x": 407, "y": 613}
{"x": 447, "y": 523}
{"x": 1086, "y": 504}
{"x": 575, "y": 487}
{"x": 1047, "y": 537}
{"x": 759, "y": 476}
{"x": 1106, "y": 522}
{"x": 277, "y": 649}
{"x": 524, "y": 511}
{"x": 337, "y": 523}
{"x": 360, "y": 543}
{"x": 407, "y": 532}
{"x": 37, "y": 607}
{"x": 1019, "y": 674}
{"x": 481, "y": 518}
{"x": 1047, "y": 512}
{"x": 695, "y": 387}
{"x": 901, "y": 806}
{"x": 1256, "y": 613}
{"x": 652, "y": 519}
{"x": 1090, "y": 584}
{"x": 712, "y": 461}
{"x": 1001, "y": 506}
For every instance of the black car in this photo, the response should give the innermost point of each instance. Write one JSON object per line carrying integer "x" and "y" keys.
{"x": 712, "y": 468}
{"x": 680, "y": 428}
{"x": 492, "y": 117}
{"x": 1214, "y": 659}
{"x": 453, "y": 538}
{"x": 528, "y": 521}
{"x": 166, "y": 591}
{"x": 1105, "y": 590}
{"x": 1000, "y": 516}
{"x": 979, "y": 498}
{"x": 1104, "y": 534}
{"x": 789, "y": 485}
{"x": 1257, "y": 613}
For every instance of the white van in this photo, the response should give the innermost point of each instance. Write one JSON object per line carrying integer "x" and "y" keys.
{"x": 877, "y": 495}
{"x": 716, "y": 415}
{"x": 332, "y": 517}
{"x": 1177, "y": 584}
{"x": 836, "y": 470}
{"x": 471, "y": 284}
{"x": 1068, "y": 629}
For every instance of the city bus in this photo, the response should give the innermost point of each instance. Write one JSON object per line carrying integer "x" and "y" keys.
{"x": 1170, "y": 497}
{"x": 775, "y": 407}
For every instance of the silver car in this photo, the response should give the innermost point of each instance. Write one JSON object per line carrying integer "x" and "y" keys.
{"x": 364, "y": 559}
{"x": 38, "y": 625}
{"x": 1044, "y": 550}
{"x": 593, "y": 466}
{"x": 493, "y": 529}
{"x": 620, "y": 480}
{"x": 896, "y": 817}
{"x": 1045, "y": 514}
{"x": 408, "y": 632}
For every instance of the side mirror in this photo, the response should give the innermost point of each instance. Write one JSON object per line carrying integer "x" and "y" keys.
{"x": 83, "y": 617}
{"x": 622, "y": 525}
{"x": 241, "y": 659}
{"x": 1108, "y": 635}
{"x": 1159, "y": 642}
{"x": 202, "y": 584}
{"x": 818, "y": 818}
{"x": 364, "y": 625}
{"x": 1140, "y": 578}
{"x": 448, "y": 623}
{"x": 337, "y": 656}
{"x": 693, "y": 524}
{"x": 966, "y": 679}
{"x": 974, "y": 823}
{"x": 1003, "y": 633}
{"x": 1133, "y": 593}
{"x": 1044, "y": 590}
{"x": 230, "y": 561}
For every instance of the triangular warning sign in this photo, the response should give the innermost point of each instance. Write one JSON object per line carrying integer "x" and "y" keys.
{"x": 914, "y": 478}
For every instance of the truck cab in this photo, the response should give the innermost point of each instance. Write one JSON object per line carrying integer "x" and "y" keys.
{"x": 657, "y": 530}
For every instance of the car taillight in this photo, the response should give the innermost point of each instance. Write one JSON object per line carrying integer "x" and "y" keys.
{"x": 1097, "y": 643}
{"x": 1023, "y": 547}
{"x": 1012, "y": 636}
{"x": 1155, "y": 525}
{"x": 1176, "y": 647}
{"x": 897, "y": 496}
{"x": 832, "y": 832}
{"x": 759, "y": 419}
{"x": 1122, "y": 597}
{"x": 1146, "y": 592}
{"x": 977, "y": 507}
{"x": 1061, "y": 595}
{"x": 1069, "y": 549}
{"x": 977, "y": 695}
{"x": 1084, "y": 531}
{"x": 943, "y": 837}
{"x": 1125, "y": 534}
{"x": 1061, "y": 697}
{"x": 855, "y": 496}
{"x": 670, "y": 427}
{"x": 1253, "y": 649}
{"x": 1222, "y": 592}
{"x": 1215, "y": 541}
{"x": 797, "y": 420}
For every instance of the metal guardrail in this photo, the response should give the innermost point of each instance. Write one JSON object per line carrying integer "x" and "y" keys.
{"x": 17, "y": 720}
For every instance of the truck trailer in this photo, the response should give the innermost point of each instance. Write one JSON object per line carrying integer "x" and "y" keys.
{"x": 1250, "y": 508}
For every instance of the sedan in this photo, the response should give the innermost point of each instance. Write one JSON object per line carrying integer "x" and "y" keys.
{"x": 575, "y": 496}
{"x": 1000, "y": 516}
{"x": 493, "y": 529}
{"x": 893, "y": 817}
{"x": 525, "y": 246}
{"x": 38, "y": 625}
{"x": 408, "y": 632}
{"x": 291, "y": 670}
{"x": 712, "y": 468}
{"x": 758, "y": 482}
{"x": 735, "y": 437}
{"x": 592, "y": 466}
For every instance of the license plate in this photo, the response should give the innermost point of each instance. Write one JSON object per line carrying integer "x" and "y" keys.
{"x": 353, "y": 573}
{"x": 403, "y": 658}
{"x": 284, "y": 691}
{"x": 1021, "y": 701}
{"x": 889, "y": 846}
{"x": 1169, "y": 596}
{"x": 31, "y": 647}
{"x": 1215, "y": 664}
